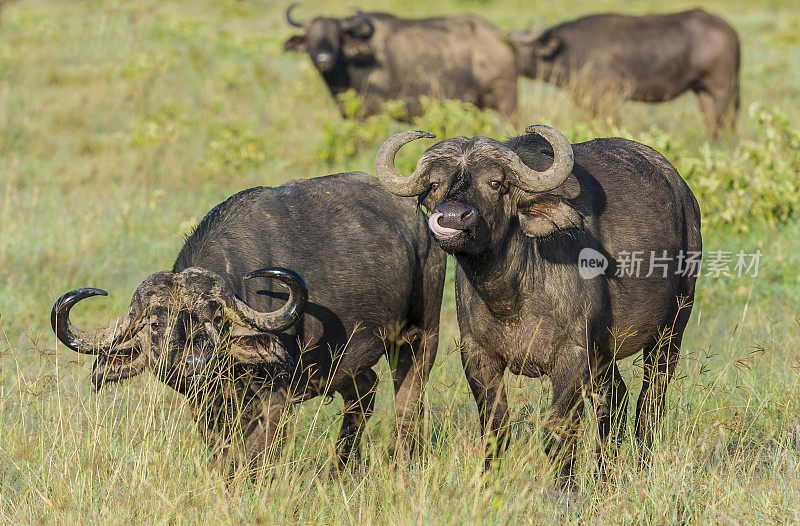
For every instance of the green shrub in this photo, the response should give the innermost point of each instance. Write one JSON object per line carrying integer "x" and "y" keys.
{"x": 756, "y": 180}
{"x": 234, "y": 149}
{"x": 345, "y": 139}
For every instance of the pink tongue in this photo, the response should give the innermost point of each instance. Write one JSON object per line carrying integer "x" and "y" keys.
{"x": 439, "y": 230}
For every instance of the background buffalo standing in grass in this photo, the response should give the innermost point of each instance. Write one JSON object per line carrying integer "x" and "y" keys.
{"x": 516, "y": 215}
{"x": 605, "y": 58}
{"x": 375, "y": 278}
{"x": 383, "y": 57}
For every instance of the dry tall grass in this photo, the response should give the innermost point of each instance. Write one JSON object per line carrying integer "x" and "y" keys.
{"x": 122, "y": 123}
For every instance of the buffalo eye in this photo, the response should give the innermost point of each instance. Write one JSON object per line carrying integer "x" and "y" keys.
{"x": 154, "y": 326}
{"x": 218, "y": 320}
{"x": 434, "y": 186}
{"x": 496, "y": 185}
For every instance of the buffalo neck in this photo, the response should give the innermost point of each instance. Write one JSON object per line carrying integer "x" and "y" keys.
{"x": 344, "y": 76}
{"x": 338, "y": 78}
{"x": 499, "y": 275}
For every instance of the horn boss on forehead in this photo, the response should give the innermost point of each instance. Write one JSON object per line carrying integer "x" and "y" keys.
{"x": 104, "y": 340}
{"x": 520, "y": 174}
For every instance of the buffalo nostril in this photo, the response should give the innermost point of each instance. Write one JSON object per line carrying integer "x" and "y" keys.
{"x": 469, "y": 218}
{"x": 457, "y": 215}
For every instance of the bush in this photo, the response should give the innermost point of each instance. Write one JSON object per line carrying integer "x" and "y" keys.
{"x": 234, "y": 149}
{"x": 754, "y": 181}
{"x": 345, "y": 139}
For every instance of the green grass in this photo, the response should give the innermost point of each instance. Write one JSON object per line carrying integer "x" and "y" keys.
{"x": 123, "y": 123}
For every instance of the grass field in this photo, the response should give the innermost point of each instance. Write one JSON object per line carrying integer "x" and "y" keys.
{"x": 123, "y": 123}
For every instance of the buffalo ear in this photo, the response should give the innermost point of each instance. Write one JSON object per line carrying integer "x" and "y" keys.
{"x": 251, "y": 347}
{"x": 356, "y": 50}
{"x": 425, "y": 199}
{"x": 117, "y": 365}
{"x": 547, "y": 46}
{"x": 543, "y": 217}
{"x": 296, "y": 43}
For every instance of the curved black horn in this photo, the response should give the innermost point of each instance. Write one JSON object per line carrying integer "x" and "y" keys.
{"x": 289, "y": 18}
{"x": 393, "y": 180}
{"x": 360, "y": 22}
{"x": 74, "y": 338}
{"x": 286, "y": 316}
{"x": 563, "y": 159}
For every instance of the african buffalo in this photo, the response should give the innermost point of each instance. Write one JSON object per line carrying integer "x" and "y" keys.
{"x": 383, "y": 57}
{"x": 520, "y": 216}
{"x": 375, "y": 277}
{"x": 652, "y": 58}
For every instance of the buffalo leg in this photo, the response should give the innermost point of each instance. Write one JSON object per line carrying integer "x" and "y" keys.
{"x": 263, "y": 436}
{"x": 414, "y": 363}
{"x": 249, "y": 440}
{"x": 611, "y": 408}
{"x": 719, "y": 108}
{"x": 415, "y": 359}
{"x": 502, "y": 97}
{"x": 219, "y": 434}
{"x": 707, "y": 106}
{"x": 359, "y": 400}
{"x": 660, "y": 361}
{"x": 569, "y": 376}
{"x": 485, "y": 377}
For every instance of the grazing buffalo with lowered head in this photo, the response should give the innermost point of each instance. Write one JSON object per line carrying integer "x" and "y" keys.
{"x": 244, "y": 352}
{"x": 520, "y": 217}
{"x": 606, "y": 58}
{"x": 383, "y": 57}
